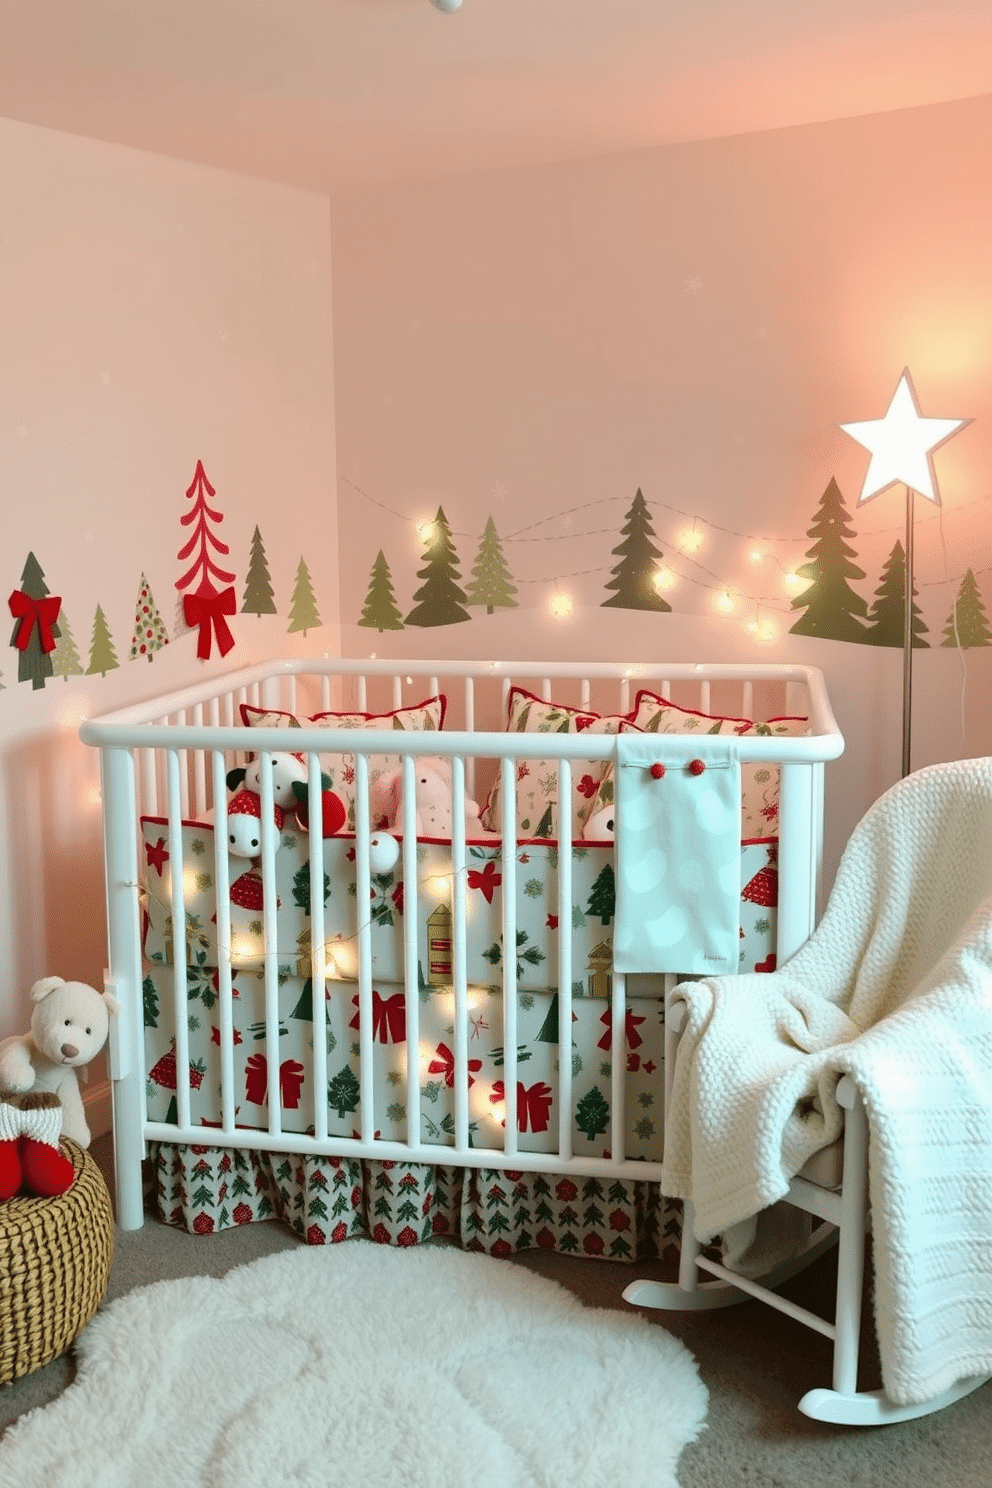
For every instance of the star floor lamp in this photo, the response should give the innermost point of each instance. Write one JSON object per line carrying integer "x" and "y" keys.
{"x": 902, "y": 445}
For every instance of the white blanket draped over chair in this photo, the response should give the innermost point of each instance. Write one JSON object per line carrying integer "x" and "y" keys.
{"x": 895, "y": 989}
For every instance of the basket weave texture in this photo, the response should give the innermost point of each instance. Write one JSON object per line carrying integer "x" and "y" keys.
{"x": 55, "y": 1259}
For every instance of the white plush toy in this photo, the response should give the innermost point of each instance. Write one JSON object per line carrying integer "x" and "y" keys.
{"x": 69, "y": 1024}
{"x": 433, "y": 784}
{"x": 601, "y": 827}
{"x": 244, "y": 824}
{"x": 285, "y": 771}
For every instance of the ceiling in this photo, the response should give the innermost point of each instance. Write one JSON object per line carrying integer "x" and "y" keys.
{"x": 345, "y": 95}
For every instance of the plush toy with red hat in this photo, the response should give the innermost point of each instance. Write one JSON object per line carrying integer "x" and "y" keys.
{"x": 244, "y": 824}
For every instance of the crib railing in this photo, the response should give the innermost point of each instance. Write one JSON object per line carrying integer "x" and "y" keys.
{"x": 172, "y": 758}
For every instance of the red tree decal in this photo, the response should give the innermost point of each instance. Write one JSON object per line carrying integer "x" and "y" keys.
{"x": 205, "y": 606}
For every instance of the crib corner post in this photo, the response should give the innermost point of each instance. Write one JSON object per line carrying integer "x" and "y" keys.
{"x": 123, "y": 980}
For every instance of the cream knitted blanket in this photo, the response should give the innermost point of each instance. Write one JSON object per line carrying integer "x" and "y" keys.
{"x": 894, "y": 988}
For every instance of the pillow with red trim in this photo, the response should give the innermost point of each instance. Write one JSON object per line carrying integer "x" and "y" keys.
{"x": 425, "y": 716}
{"x": 759, "y": 781}
{"x": 537, "y": 779}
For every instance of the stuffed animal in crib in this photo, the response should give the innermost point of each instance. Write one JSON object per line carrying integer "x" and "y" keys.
{"x": 244, "y": 824}
{"x": 69, "y": 1025}
{"x": 285, "y": 771}
{"x": 433, "y": 783}
{"x": 601, "y": 825}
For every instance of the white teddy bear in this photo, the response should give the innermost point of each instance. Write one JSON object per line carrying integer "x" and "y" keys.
{"x": 432, "y": 778}
{"x": 69, "y": 1024}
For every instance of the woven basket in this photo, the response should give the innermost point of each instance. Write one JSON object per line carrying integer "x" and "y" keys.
{"x": 55, "y": 1259}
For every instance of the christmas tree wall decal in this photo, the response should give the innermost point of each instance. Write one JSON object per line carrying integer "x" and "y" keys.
{"x": 968, "y": 624}
{"x": 103, "y": 657}
{"x": 65, "y": 657}
{"x": 829, "y": 601}
{"x": 634, "y": 576}
{"x": 441, "y": 597}
{"x": 303, "y": 606}
{"x": 491, "y": 583}
{"x": 887, "y": 616}
{"x": 36, "y": 629}
{"x": 149, "y": 634}
{"x": 380, "y": 611}
{"x": 259, "y": 599}
{"x": 205, "y": 606}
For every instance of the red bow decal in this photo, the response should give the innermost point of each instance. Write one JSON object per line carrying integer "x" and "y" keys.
{"x": 533, "y": 1104}
{"x": 31, "y": 612}
{"x": 631, "y": 1021}
{"x": 202, "y": 609}
{"x": 388, "y": 1018}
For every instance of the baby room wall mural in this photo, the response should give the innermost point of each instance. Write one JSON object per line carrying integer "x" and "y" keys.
{"x": 206, "y": 601}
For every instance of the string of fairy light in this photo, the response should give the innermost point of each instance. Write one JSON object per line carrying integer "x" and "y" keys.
{"x": 689, "y": 539}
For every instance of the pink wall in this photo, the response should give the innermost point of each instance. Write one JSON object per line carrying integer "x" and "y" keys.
{"x": 154, "y": 313}
{"x": 695, "y": 322}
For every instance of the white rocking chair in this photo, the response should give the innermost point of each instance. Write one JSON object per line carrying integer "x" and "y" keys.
{"x": 833, "y": 1186}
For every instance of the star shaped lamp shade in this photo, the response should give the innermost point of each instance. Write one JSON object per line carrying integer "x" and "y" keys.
{"x": 902, "y": 445}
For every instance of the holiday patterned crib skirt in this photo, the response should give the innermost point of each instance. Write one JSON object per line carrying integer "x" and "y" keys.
{"x": 328, "y": 1199}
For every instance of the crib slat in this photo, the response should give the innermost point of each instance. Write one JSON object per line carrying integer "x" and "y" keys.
{"x": 363, "y": 885}
{"x": 222, "y": 880}
{"x": 414, "y": 1095}
{"x": 318, "y": 966}
{"x": 564, "y": 960}
{"x": 509, "y": 833}
{"x": 179, "y": 954}
{"x": 618, "y": 1069}
{"x": 459, "y": 958}
{"x": 269, "y": 842}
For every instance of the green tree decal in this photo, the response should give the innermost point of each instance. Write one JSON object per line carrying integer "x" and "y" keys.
{"x": 381, "y": 611}
{"x": 491, "y": 583}
{"x": 65, "y": 657}
{"x": 36, "y": 630}
{"x": 602, "y": 898}
{"x": 592, "y": 1114}
{"x": 967, "y": 624}
{"x": 149, "y": 634}
{"x": 887, "y": 616}
{"x": 830, "y": 602}
{"x": 303, "y": 606}
{"x": 301, "y": 887}
{"x": 441, "y": 598}
{"x": 633, "y": 577}
{"x": 258, "y": 598}
{"x": 103, "y": 657}
{"x": 150, "y": 999}
{"x": 343, "y": 1092}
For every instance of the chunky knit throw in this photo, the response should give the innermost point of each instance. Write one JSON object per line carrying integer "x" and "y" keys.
{"x": 895, "y": 989}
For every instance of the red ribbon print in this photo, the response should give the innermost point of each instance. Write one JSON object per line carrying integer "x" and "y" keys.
{"x": 31, "y": 612}
{"x": 204, "y": 609}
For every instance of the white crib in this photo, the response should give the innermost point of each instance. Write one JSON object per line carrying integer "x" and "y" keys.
{"x": 164, "y": 772}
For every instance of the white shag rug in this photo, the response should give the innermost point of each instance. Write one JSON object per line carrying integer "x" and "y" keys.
{"x": 357, "y": 1364}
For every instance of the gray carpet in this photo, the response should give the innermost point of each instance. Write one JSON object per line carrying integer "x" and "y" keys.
{"x": 755, "y": 1362}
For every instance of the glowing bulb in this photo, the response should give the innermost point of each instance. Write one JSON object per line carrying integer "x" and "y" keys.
{"x": 439, "y": 886}
{"x": 340, "y": 960}
{"x": 94, "y": 796}
{"x": 663, "y": 578}
{"x": 561, "y": 606}
{"x": 793, "y": 581}
{"x": 755, "y": 555}
{"x": 724, "y": 602}
{"x": 427, "y": 531}
{"x": 764, "y": 629}
{"x": 690, "y": 539}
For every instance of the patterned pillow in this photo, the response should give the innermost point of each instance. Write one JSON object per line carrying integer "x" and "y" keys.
{"x": 427, "y": 715}
{"x": 537, "y": 779}
{"x": 759, "y": 782}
